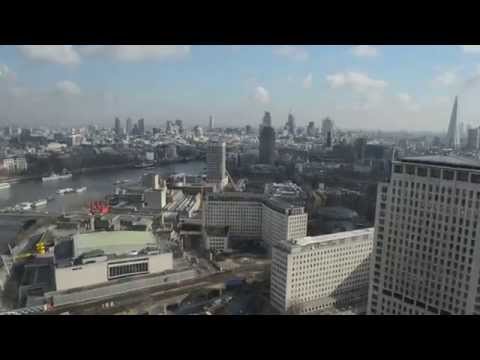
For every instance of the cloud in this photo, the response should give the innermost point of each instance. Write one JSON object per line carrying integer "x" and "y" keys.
{"x": 296, "y": 53}
{"x": 68, "y": 87}
{"x": 357, "y": 81}
{"x": 57, "y": 54}
{"x": 6, "y": 73}
{"x": 136, "y": 53}
{"x": 407, "y": 100}
{"x": 365, "y": 51}
{"x": 470, "y": 49}
{"x": 261, "y": 95}
{"x": 308, "y": 81}
{"x": 446, "y": 78}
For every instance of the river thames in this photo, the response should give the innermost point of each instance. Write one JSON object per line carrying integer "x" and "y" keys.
{"x": 98, "y": 185}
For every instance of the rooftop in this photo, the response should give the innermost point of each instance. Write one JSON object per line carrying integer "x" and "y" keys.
{"x": 112, "y": 242}
{"x": 451, "y": 161}
{"x": 323, "y": 239}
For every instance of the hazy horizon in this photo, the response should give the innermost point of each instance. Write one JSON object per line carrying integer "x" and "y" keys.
{"x": 388, "y": 88}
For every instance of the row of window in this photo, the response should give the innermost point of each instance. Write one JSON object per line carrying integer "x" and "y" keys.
{"x": 437, "y": 173}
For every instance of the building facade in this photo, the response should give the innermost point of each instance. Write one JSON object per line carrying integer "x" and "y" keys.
{"x": 216, "y": 167}
{"x": 267, "y": 145}
{"x": 427, "y": 245}
{"x": 314, "y": 274}
{"x": 253, "y": 216}
{"x": 473, "y": 139}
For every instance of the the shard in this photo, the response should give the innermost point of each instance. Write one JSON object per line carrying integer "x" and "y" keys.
{"x": 453, "y": 136}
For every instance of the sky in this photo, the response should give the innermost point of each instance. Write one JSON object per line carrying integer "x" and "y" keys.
{"x": 359, "y": 87}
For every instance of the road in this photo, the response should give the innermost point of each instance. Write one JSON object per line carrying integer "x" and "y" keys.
{"x": 156, "y": 294}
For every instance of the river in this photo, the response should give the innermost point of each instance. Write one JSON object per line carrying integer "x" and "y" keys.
{"x": 98, "y": 185}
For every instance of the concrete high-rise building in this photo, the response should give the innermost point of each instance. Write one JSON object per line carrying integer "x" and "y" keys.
{"x": 311, "y": 131}
{"x": 327, "y": 132}
{"x": 211, "y": 123}
{"x": 427, "y": 243}
{"x": 141, "y": 127}
{"x": 254, "y": 217}
{"x": 216, "y": 168}
{"x": 267, "y": 119}
{"x": 290, "y": 126}
{"x": 248, "y": 130}
{"x": 198, "y": 131}
{"x": 118, "y": 127}
{"x": 473, "y": 139}
{"x": 326, "y": 272}
{"x": 453, "y": 136}
{"x": 129, "y": 127}
{"x": 267, "y": 145}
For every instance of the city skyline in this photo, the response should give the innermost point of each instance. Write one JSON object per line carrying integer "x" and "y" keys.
{"x": 359, "y": 87}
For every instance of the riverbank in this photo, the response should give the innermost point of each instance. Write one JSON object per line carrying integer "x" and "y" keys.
{"x": 20, "y": 179}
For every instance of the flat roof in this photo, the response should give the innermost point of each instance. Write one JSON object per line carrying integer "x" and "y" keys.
{"x": 441, "y": 160}
{"x": 112, "y": 242}
{"x": 311, "y": 240}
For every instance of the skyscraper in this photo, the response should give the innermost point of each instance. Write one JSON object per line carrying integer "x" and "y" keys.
{"x": 118, "y": 126}
{"x": 141, "y": 127}
{"x": 453, "y": 136}
{"x": 267, "y": 119}
{"x": 427, "y": 245}
{"x": 211, "y": 124}
{"x": 267, "y": 140}
{"x": 129, "y": 126}
{"x": 473, "y": 140}
{"x": 327, "y": 132}
{"x": 290, "y": 125}
{"x": 311, "y": 129}
{"x": 216, "y": 168}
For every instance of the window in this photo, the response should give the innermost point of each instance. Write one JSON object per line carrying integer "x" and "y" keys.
{"x": 422, "y": 172}
{"x": 398, "y": 169}
{"x": 434, "y": 173}
{"x": 410, "y": 169}
{"x": 462, "y": 176}
{"x": 448, "y": 175}
{"x": 475, "y": 178}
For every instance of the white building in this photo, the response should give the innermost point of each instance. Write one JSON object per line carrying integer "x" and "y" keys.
{"x": 216, "y": 168}
{"x": 15, "y": 165}
{"x": 427, "y": 246}
{"x": 114, "y": 255}
{"x": 253, "y": 216}
{"x": 312, "y": 274}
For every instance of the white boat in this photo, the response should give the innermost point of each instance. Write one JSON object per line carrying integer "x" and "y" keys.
{"x": 53, "y": 177}
{"x": 40, "y": 203}
{"x": 25, "y": 206}
{"x": 81, "y": 189}
{"x": 4, "y": 186}
{"x": 65, "y": 191}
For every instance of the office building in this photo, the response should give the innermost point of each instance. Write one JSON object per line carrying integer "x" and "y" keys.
{"x": 314, "y": 274}
{"x": 211, "y": 123}
{"x": 118, "y": 127}
{"x": 427, "y": 248}
{"x": 473, "y": 140}
{"x": 290, "y": 126}
{"x": 267, "y": 119}
{"x": 327, "y": 132}
{"x": 311, "y": 131}
{"x": 267, "y": 145}
{"x": 453, "y": 136}
{"x": 216, "y": 168}
{"x": 141, "y": 127}
{"x": 255, "y": 217}
{"x": 129, "y": 127}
